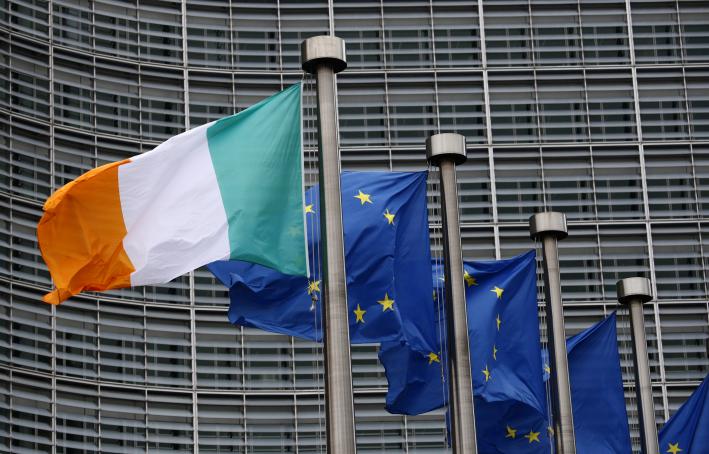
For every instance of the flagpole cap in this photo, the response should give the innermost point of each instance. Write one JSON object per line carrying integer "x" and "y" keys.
{"x": 446, "y": 146}
{"x": 633, "y": 289}
{"x": 548, "y": 223}
{"x": 323, "y": 50}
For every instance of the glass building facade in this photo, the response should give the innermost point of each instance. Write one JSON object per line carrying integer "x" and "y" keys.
{"x": 597, "y": 108}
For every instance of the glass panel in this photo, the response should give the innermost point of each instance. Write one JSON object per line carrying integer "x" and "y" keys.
{"x": 611, "y": 108}
{"x": 116, "y": 28}
{"x": 255, "y": 35}
{"x": 556, "y": 32}
{"x": 221, "y": 423}
{"x": 618, "y": 182}
{"x": 461, "y": 105}
{"x": 25, "y": 159}
{"x": 518, "y": 183}
{"x": 474, "y": 189}
{"x": 562, "y": 106}
{"x": 513, "y": 107}
{"x": 160, "y": 23}
{"x": 73, "y": 90}
{"x": 580, "y": 265}
{"x": 624, "y": 253}
{"x": 407, "y": 33}
{"x": 670, "y": 183}
{"x": 568, "y": 180}
{"x": 685, "y": 339}
{"x": 362, "y": 110}
{"x": 29, "y": 77}
{"x": 169, "y": 422}
{"x": 456, "y": 33}
{"x": 655, "y": 32}
{"x": 663, "y": 104}
{"x": 697, "y": 80}
{"x": 211, "y": 97}
{"x": 605, "y": 32}
{"x": 360, "y": 25}
{"x": 508, "y": 33}
{"x": 693, "y": 18}
{"x": 678, "y": 269}
{"x": 412, "y": 108}
{"x": 209, "y": 34}
{"x": 219, "y": 351}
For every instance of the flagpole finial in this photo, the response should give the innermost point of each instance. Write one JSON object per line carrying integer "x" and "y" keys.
{"x": 323, "y": 49}
{"x": 633, "y": 289}
{"x": 446, "y": 146}
{"x": 548, "y": 223}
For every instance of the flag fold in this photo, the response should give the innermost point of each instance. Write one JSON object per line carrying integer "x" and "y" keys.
{"x": 387, "y": 261}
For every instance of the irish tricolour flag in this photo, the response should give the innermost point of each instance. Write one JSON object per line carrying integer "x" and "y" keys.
{"x": 230, "y": 189}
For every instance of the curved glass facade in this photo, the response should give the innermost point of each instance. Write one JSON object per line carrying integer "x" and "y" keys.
{"x": 598, "y": 108}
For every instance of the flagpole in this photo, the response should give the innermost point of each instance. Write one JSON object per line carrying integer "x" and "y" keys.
{"x": 550, "y": 227}
{"x": 634, "y": 292}
{"x": 446, "y": 151}
{"x": 324, "y": 56}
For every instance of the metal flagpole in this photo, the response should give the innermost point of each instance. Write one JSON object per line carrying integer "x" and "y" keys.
{"x": 324, "y": 56}
{"x": 550, "y": 227}
{"x": 634, "y": 292}
{"x": 446, "y": 151}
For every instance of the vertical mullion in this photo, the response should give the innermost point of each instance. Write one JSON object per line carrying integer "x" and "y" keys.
{"x": 646, "y": 204}
{"x": 488, "y": 130}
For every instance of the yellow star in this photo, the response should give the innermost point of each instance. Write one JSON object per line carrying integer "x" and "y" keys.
{"x": 313, "y": 286}
{"x": 494, "y": 352}
{"x": 469, "y": 280}
{"x": 532, "y": 436}
{"x": 363, "y": 198}
{"x": 432, "y": 357}
{"x": 498, "y": 291}
{"x": 487, "y": 373}
{"x": 673, "y": 448}
{"x": 386, "y": 303}
{"x": 550, "y": 429}
{"x": 359, "y": 314}
{"x": 511, "y": 433}
{"x": 389, "y": 216}
{"x": 547, "y": 369}
{"x": 309, "y": 209}
{"x": 499, "y": 322}
{"x": 435, "y": 297}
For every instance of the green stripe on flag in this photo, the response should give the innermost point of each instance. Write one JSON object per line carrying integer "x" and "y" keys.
{"x": 257, "y": 157}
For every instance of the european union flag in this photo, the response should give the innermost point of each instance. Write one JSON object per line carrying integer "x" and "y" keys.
{"x": 687, "y": 431}
{"x": 387, "y": 257}
{"x": 510, "y": 402}
{"x": 600, "y": 418}
{"x": 503, "y": 327}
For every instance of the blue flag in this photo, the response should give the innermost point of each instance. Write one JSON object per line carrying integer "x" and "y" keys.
{"x": 600, "y": 418}
{"x": 510, "y": 402}
{"x": 503, "y": 327}
{"x": 387, "y": 257}
{"x": 687, "y": 431}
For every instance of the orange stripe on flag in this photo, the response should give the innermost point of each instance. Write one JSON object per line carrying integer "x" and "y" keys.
{"x": 81, "y": 235}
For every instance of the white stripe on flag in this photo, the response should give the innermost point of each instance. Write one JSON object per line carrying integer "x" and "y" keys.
{"x": 173, "y": 209}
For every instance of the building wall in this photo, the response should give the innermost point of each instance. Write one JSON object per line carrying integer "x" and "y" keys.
{"x": 597, "y": 108}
